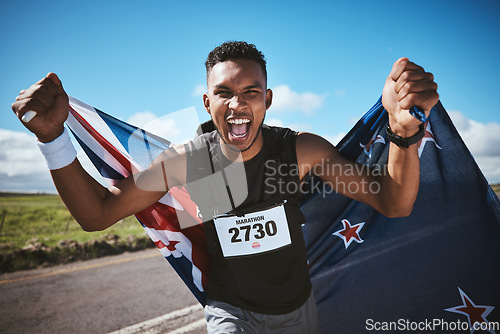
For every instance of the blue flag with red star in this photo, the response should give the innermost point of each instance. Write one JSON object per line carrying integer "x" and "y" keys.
{"x": 435, "y": 270}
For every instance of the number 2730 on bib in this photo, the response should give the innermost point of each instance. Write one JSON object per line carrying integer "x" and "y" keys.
{"x": 253, "y": 233}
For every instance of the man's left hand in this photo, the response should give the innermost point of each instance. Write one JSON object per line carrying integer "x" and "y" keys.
{"x": 406, "y": 86}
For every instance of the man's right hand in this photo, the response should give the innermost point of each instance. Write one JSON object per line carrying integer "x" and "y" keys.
{"x": 50, "y": 102}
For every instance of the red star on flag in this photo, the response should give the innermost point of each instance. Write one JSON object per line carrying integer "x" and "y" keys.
{"x": 170, "y": 246}
{"x": 350, "y": 233}
{"x": 369, "y": 146}
{"x": 428, "y": 137}
{"x": 476, "y": 314}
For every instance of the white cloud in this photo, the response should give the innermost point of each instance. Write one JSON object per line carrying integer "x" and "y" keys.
{"x": 19, "y": 153}
{"x": 199, "y": 90}
{"x": 294, "y": 126}
{"x": 142, "y": 117}
{"x": 285, "y": 99}
{"x": 490, "y": 166}
{"x": 164, "y": 127}
{"x": 22, "y": 167}
{"x": 483, "y": 140}
{"x": 177, "y": 127}
{"x": 274, "y": 122}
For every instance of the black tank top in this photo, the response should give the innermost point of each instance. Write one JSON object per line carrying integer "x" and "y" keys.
{"x": 275, "y": 282}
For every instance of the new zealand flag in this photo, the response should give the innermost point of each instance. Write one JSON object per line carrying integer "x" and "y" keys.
{"x": 437, "y": 270}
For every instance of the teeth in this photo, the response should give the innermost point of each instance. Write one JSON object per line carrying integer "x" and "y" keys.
{"x": 240, "y": 136}
{"x": 238, "y": 121}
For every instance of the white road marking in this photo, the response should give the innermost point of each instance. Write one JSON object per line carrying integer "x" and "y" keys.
{"x": 148, "y": 325}
{"x": 186, "y": 329}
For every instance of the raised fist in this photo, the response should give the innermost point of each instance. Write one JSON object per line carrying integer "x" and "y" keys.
{"x": 406, "y": 86}
{"x": 43, "y": 108}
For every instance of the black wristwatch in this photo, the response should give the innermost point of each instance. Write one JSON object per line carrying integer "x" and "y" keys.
{"x": 406, "y": 142}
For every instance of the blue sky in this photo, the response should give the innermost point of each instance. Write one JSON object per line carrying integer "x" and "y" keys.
{"x": 328, "y": 60}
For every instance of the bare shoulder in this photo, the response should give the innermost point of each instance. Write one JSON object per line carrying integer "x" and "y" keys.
{"x": 171, "y": 164}
{"x": 310, "y": 145}
{"x": 176, "y": 151}
{"x": 313, "y": 150}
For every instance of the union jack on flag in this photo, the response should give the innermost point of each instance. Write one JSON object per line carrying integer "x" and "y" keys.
{"x": 107, "y": 142}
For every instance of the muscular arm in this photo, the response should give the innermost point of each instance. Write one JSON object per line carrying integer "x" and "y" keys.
{"x": 96, "y": 207}
{"x": 406, "y": 86}
{"x": 93, "y": 206}
{"x": 391, "y": 192}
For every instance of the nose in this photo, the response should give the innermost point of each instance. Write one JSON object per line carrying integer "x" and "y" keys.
{"x": 237, "y": 102}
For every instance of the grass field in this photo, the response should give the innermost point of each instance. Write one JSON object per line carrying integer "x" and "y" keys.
{"x": 496, "y": 188}
{"x": 44, "y": 217}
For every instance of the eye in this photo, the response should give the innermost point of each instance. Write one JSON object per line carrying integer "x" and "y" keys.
{"x": 252, "y": 92}
{"x": 223, "y": 93}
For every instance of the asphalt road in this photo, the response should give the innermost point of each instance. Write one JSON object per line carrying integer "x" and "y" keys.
{"x": 100, "y": 296}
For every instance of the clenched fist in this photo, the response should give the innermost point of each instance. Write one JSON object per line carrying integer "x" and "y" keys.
{"x": 406, "y": 86}
{"x": 49, "y": 101}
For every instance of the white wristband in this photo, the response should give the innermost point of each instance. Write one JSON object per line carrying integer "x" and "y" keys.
{"x": 58, "y": 153}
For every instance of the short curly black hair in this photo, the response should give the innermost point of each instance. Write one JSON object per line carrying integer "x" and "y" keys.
{"x": 235, "y": 50}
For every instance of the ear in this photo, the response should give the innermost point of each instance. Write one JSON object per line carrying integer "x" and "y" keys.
{"x": 269, "y": 98}
{"x": 206, "y": 103}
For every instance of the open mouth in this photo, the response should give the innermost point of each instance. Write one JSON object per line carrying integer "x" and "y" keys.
{"x": 238, "y": 127}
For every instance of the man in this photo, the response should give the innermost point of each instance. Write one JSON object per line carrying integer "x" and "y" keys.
{"x": 258, "y": 280}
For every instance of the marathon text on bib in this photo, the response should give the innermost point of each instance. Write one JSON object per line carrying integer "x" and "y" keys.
{"x": 253, "y": 233}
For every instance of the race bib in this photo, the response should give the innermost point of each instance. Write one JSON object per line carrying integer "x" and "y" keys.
{"x": 253, "y": 233}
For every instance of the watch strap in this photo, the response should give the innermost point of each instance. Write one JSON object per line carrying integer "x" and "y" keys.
{"x": 408, "y": 141}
